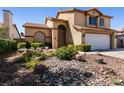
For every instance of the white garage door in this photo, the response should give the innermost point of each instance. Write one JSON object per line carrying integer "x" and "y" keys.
{"x": 98, "y": 41}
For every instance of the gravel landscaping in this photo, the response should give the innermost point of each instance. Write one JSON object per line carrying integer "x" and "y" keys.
{"x": 64, "y": 73}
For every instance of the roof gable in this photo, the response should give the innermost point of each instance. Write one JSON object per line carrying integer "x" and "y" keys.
{"x": 94, "y": 11}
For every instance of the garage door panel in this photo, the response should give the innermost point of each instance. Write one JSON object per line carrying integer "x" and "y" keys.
{"x": 98, "y": 41}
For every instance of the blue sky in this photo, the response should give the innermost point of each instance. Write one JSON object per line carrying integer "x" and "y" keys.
{"x": 38, "y": 15}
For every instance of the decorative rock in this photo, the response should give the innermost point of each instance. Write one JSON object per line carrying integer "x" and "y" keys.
{"x": 98, "y": 68}
{"x": 40, "y": 68}
{"x": 22, "y": 50}
{"x": 79, "y": 57}
{"x": 46, "y": 47}
{"x": 122, "y": 75}
{"x": 39, "y": 49}
{"x": 100, "y": 61}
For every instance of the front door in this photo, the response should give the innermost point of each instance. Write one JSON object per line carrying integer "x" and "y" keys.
{"x": 61, "y": 36}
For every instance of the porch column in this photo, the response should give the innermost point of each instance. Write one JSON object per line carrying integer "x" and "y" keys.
{"x": 54, "y": 38}
{"x": 112, "y": 41}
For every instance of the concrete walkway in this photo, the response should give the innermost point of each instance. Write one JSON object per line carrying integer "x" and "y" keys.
{"x": 117, "y": 53}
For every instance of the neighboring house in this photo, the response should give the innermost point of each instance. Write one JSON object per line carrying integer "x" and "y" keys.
{"x": 12, "y": 32}
{"x": 74, "y": 26}
{"x": 120, "y": 38}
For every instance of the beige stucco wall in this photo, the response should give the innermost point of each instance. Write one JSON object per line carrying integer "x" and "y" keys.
{"x": 107, "y": 22}
{"x": 79, "y": 18}
{"x": 30, "y": 32}
{"x": 115, "y": 40}
{"x": 49, "y": 23}
{"x": 14, "y": 33}
{"x": 72, "y": 36}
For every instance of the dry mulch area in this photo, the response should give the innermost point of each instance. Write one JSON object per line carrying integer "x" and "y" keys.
{"x": 64, "y": 73}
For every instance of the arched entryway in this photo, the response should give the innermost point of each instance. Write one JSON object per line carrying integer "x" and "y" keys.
{"x": 61, "y": 35}
{"x": 39, "y": 36}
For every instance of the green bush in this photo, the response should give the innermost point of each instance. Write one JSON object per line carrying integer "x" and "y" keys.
{"x": 50, "y": 53}
{"x": 28, "y": 45}
{"x": 21, "y": 45}
{"x": 7, "y": 45}
{"x": 65, "y": 53}
{"x": 86, "y": 47}
{"x": 26, "y": 57}
{"x": 31, "y": 64}
{"x": 33, "y": 55}
{"x": 49, "y": 44}
{"x": 37, "y": 45}
{"x": 40, "y": 55}
{"x": 83, "y": 47}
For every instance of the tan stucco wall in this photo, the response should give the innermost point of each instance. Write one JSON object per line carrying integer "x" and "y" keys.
{"x": 73, "y": 37}
{"x": 107, "y": 22}
{"x": 79, "y": 19}
{"x": 30, "y": 32}
{"x": 49, "y": 23}
{"x": 115, "y": 40}
{"x": 14, "y": 33}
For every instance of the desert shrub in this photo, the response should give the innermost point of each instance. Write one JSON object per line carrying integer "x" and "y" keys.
{"x": 49, "y": 44}
{"x": 86, "y": 47}
{"x": 21, "y": 45}
{"x": 83, "y": 47}
{"x": 33, "y": 55}
{"x": 36, "y": 45}
{"x": 28, "y": 45}
{"x": 50, "y": 53}
{"x": 31, "y": 64}
{"x": 26, "y": 57}
{"x": 119, "y": 82}
{"x": 7, "y": 45}
{"x": 65, "y": 53}
{"x": 40, "y": 55}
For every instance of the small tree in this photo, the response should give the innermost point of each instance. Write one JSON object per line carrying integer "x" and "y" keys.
{"x": 3, "y": 29}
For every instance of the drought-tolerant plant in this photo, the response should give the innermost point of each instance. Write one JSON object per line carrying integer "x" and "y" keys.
{"x": 21, "y": 45}
{"x": 119, "y": 82}
{"x": 84, "y": 47}
{"x": 31, "y": 64}
{"x": 36, "y": 45}
{"x": 65, "y": 53}
{"x": 39, "y": 55}
{"x": 28, "y": 45}
{"x": 50, "y": 53}
{"x": 26, "y": 57}
{"x": 33, "y": 55}
{"x": 7, "y": 45}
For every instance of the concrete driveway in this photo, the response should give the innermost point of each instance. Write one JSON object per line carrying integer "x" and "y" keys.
{"x": 118, "y": 53}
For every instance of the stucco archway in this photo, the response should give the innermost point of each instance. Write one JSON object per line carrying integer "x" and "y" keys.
{"x": 39, "y": 36}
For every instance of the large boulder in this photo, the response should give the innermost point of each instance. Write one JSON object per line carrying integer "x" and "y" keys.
{"x": 80, "y": 57}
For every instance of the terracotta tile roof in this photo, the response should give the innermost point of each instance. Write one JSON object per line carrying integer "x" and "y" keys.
{"x": 51, "y": 18}
{"x": 82, "y": 11}
{"x": 35, "y": 25}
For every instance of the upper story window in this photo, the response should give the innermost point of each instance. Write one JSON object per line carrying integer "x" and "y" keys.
{"x": 92, "y": 20}
{"x": 102, "y": 22}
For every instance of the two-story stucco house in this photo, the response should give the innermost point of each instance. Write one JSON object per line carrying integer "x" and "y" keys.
{"x": 74, "y": 26}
